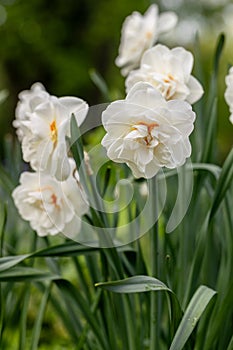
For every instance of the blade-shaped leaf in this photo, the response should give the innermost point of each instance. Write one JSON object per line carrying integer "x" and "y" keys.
{"x": 140, "y": 284}
{"x": 100, "y": 83}
{"x": 191, "y": 316}
{"x": 76, "y": 142}
{"x": 39, "y": 319}
{"x": 135, "y": 284}
{"x": 74, "y": 296}
{"x": 10, "y": 261}
{"x": 224, "y": 182}
{"x": 23, "y": 274}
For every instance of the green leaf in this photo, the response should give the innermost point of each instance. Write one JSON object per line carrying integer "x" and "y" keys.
{"x": 10, "y": 261}
{"x": 211, "y": 168}
{"x": 3, "y": 95}
{"x": 100, "y": 83}
{"x": 2, "y": 230}
{"x": 23, "y": 274}
{"x": 62, "y": 250}
{"x": 65, "y": 250}
{"x": 223, "y": 184}
{"x": 230, "y": 345}
{"x": 6, "y": 182}
{"x": 39, "y": 319}
{"x": 140, "y": 284}
{"x": 196, "y": 307}
{"x": 135, "y": 284}
{"x": 218, "y": 52}
{"x": 210, "y": 139}
{"x": 75, "y": 297}
{"x": 76, "y": 142}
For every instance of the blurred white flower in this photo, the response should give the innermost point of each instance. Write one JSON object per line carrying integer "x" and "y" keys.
{"x": 169, "y": 71}
{"x": 147, "y": 132}
{"x": 140, "y": 32}
{"x": 229, "y": 92}
{"x": 43, "y": 123}
{"x": 50, "y": 206}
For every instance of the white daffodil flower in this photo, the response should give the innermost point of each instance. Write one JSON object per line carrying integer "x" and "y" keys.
{"x": 50, "y": 206}
{"x": 147, "y": 132}
{"x": 140, "y": 32}
{"x": 43, "y": 123}
{"x": 229, "y": 92}
{"x": 169, "y": 71}
{"x": 44, "y": 144}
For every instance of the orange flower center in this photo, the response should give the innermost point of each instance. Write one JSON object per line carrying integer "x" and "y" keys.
{"x": 150, "y": 126}
{"x": 54, "y": 201}
{"x": 53, "y": 132}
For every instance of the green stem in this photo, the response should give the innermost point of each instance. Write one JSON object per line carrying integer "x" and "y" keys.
{"x": 154, "y": 324}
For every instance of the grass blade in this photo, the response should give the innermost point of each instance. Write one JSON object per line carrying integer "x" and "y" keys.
{"x": 135, "y": 284}
{"x": 23, "y": 274}
{"x": 100, "y": 83}
{"x": 224, "y": 182}
{"x": 39, "y": 319}
{"x": 192, "y": 314}
{"x": 68, "y": 289}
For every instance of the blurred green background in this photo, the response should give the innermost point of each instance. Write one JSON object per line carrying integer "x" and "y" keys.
{"x": 58, "y": 42}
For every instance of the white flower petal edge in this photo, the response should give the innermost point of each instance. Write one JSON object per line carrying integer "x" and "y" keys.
{"x": 28, "y": 101}
{"x": 50, "y": 206}
{"x": 169, "y": 71}
{"x": 229, "y": 92}
{"x": 147, "y": 132}
{"x": 140, "y": 32}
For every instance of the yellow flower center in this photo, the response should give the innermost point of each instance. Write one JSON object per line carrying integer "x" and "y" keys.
{"x": 53, "y": 132}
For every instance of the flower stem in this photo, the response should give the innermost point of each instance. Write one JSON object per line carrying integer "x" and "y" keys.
{"x": 154, "y": 324}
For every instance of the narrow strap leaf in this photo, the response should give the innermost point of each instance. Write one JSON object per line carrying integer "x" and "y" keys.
{"x": 135, "y": 284}
{"x": 191, "y": 316}
{"x": 224, "y": 182}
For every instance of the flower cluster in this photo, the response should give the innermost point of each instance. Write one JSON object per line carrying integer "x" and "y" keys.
{"x": 150, "y": 128}
{"x": 51, "y": 198}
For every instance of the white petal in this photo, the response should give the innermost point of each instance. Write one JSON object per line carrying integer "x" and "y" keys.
{"x": 185, "y": 58}
{"x": 154, "y": 57}
{"x": 75, "y": 106}
{"x": 196, "y": 90}
{"x": 145, "y": 95}
{"x": 167, "y": 21}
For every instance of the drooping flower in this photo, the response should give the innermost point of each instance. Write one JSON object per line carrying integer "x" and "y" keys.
{"x": 147, "y": 132}
{"x": 50, "y": 206}
{"x": 169, "y": 71}
{"x": 140, "y": 32}
{"x": 229, "y": 92}
{"x": 43, "y": 123}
